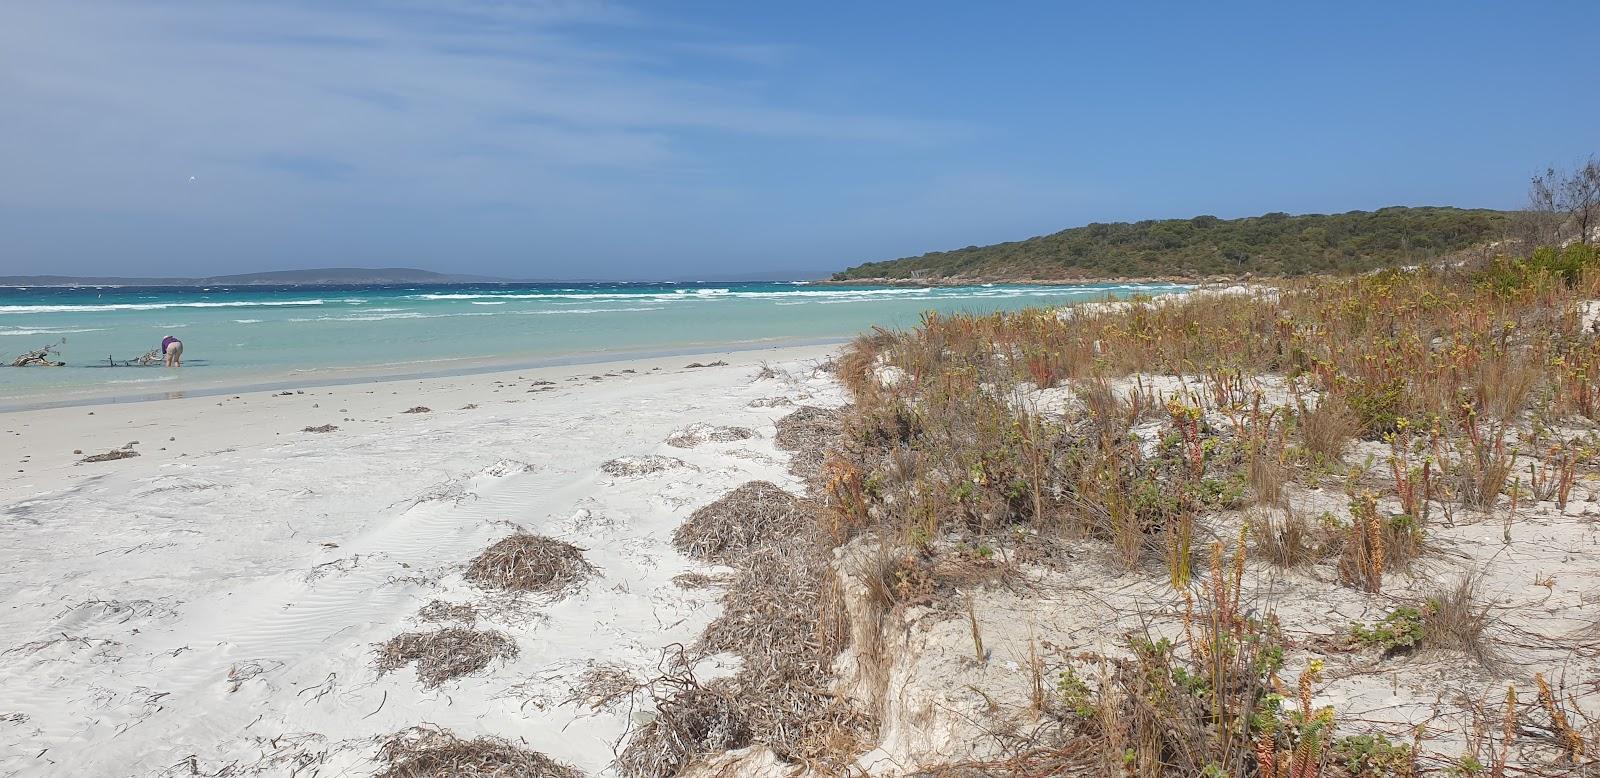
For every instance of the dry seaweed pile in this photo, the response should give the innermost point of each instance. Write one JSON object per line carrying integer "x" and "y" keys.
{"x": 439, "y": 610}
{"x": 444, "y": 654}
{"x": 691, "y": 720}
{"x": 701, "y": 433}
{"x": 646, "y": 464}
{"x": 431, "y": 752}
{"x": 752, "y": 515}
{"x": 782, "y": 615}
{"x": 809, "y": 433}
{"x": 530, "y": 563}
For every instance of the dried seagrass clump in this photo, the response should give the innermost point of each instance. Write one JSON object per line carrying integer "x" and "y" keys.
{"x": 809, "y": 433}
{"x": 753, "y": 514}
{"x": 690, "y": 720}
{"x": 701, "y": 433}
{"x": 444, "y": 654}
{"x": 432, "y": 752}
{"x": 805, "y": 426}
{"x": 530, "y": 563}
{"x": 645, "y": 464}
{"x": 439, "y": 610}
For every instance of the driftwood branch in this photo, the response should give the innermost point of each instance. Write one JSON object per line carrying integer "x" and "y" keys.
{"x": 39, "y": 358}
{"x": 148, "y": 358}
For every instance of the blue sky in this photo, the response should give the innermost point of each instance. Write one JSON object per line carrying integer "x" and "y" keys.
{"x": 570, "y": 139}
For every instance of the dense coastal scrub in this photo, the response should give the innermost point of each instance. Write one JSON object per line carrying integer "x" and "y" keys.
{"x": 1275, "y": 244}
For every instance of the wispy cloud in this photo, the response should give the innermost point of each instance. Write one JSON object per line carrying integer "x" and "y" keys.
{"x": 107, "y": 101}
{"x": 103, "y": 96}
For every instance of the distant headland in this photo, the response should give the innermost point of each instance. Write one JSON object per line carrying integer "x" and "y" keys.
{"x": 1274, "y": 244}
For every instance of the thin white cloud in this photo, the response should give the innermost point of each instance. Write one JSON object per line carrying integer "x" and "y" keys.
{"x": 104, "y": 101}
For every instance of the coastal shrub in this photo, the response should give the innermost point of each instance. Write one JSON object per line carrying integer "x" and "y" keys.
{"x": 530, "y": 563}
{"x": 1373, "y": 756}
{"x": 1286, "y": 538}
{"x": 1454, "y": 619}
{"x": 1508, "y": 275}
{"x": 1377, "y": 406}
{"x": 1374, "y": 544}
{"x": 1274, "y": 243}
{"x": 1325, "y": 427}
{"x": 1179, "y": 708}
{"x": 1401, "y": 630}
{"x": 1168, "y": 414}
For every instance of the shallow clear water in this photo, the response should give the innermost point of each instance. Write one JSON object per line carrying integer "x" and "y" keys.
{"x": 251, "y": 335}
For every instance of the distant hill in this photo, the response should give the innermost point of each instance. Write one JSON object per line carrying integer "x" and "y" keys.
{"x": 317, "y": 277}
{"x": 1272, "y": 244}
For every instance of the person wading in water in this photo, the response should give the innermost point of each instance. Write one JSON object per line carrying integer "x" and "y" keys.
{"x": 172, "y": 349}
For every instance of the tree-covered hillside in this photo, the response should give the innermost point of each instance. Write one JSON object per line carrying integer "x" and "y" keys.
{"x": 1273, "y": 244}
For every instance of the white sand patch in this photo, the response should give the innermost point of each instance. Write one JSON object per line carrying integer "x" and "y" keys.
{"x": 216, "y": 600}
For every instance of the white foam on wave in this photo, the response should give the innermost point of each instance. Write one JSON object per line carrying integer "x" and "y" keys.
{"x": 551, "y": 296}
{"x": 4, "y": 331}
{"x": 592, "y": 310}
{"x": 385, "y": 316}
{"x": 679, "y": 295}
{"x": 165, "y": 376}
{"x": 97, "y": 307}
{"x": 365, "y": 317}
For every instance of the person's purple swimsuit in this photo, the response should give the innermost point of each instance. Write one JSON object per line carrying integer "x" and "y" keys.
{"x": 167, "y": 341}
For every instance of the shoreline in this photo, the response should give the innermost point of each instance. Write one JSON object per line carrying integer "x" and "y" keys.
{"x": 247, "y": 342}
{"x": 364, "y": 375}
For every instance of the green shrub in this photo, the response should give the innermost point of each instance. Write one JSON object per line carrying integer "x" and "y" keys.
{"x": 1567, "y": 264}
{"x": 1399, "y": 631}
{"x": 1506, "y": 275}
{"x": 1075, "y": 693}
{"x": 1377, "y": 406}
{"x": 1373, "y": 756}
{"x": 1223, "y": 493}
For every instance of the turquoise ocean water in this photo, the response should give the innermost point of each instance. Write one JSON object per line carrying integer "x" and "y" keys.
{"x": 288, "y": 336}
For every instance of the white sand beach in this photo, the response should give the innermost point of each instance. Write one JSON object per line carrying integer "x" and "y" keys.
{"x": 211, "y": 606}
